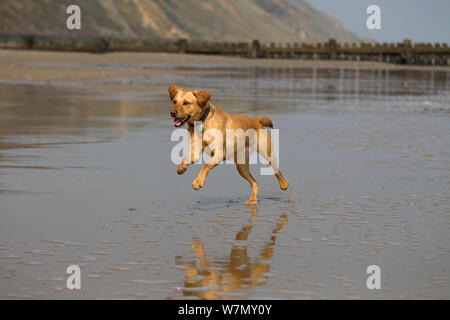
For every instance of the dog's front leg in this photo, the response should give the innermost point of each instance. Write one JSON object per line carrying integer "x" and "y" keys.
{"x": 200, "y": 180}
{"x": 213, "y": 142}
{"x": 191, "y": 158}
{"x": 195, "y": 151}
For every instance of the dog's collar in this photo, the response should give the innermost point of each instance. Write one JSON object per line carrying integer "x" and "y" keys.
{"x": 205, "y": 114}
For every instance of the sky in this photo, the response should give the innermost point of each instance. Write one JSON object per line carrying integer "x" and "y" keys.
{"x": 418, "y": 20}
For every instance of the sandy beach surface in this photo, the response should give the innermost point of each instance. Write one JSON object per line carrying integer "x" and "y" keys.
{"x": 86, "y": 68}
{"x": 86, "y": 179}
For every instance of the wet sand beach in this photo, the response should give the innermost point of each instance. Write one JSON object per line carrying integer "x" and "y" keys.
{"x": 86, "y": 178}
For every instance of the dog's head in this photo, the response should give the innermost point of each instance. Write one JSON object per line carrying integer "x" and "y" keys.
{"x": 188, "y": 105}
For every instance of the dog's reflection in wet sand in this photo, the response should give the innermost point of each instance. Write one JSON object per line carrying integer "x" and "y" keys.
{"x": 214, "y": 279}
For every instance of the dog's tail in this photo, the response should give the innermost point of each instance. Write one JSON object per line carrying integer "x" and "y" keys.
{"x": 266, "y": 122}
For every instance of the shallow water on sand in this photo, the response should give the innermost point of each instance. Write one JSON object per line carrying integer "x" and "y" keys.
{"x": 86, "y": 179}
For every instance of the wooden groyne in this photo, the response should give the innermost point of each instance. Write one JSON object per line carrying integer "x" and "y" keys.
{"x": 400, "y": 53}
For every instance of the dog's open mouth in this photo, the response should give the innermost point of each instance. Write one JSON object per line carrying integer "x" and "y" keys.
{"x": 178, "y": 122}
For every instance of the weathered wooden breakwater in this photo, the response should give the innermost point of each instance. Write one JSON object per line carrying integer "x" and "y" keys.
{"x": 400, "y": 53}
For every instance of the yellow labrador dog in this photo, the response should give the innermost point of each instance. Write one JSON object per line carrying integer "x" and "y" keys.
{"x": 193, "y": 106}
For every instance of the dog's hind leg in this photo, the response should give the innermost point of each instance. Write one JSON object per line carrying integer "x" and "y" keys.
{"x": 244, "y": 171}
{"x": 265, "y": 149}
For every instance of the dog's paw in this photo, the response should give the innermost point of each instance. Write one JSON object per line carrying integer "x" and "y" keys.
{"x": 251, "y": 202}
{"x": 198, "y": 183}
{"x": 284, "y": 184}
{"x": 182, "y": 168}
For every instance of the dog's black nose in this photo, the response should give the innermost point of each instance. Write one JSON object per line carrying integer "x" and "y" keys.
{"x": 173, "y": 113}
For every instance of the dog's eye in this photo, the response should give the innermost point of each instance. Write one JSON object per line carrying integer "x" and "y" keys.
{"x": 174, "y": 102}
{"x": 186, "y": 103}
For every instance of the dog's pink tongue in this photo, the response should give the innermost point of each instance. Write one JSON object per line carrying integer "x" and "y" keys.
{"x": 176, "y": 121}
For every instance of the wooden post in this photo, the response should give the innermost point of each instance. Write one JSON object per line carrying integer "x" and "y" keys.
{"x": 408, "y": 54}
{"x": 255, "y": 49}
{"x": 332, "y": 49}
{"x": 182, "y": 45}
{"x": 295, "y": 51}
{"x": 272, "y": 50}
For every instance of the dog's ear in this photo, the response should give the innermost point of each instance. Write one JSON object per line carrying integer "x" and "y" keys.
{"x": 202, "y": 97}
{"x": 173, "y": 91}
